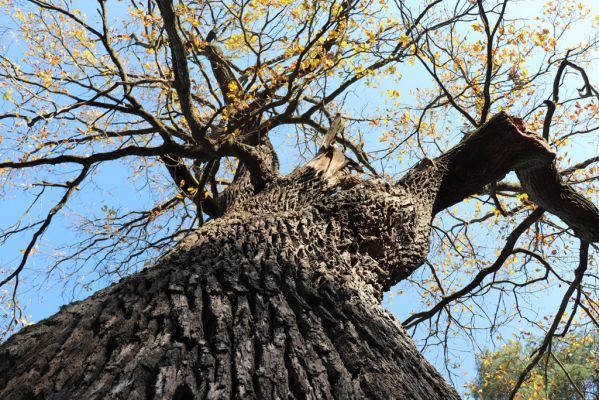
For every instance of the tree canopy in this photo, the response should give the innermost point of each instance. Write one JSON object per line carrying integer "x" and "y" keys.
{"x": 171, "y": 98}
{"x": 571, "y": 371}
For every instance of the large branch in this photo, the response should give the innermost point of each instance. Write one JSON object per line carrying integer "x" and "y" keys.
{"x": 127, "y": 151}
{"x": 546, "y": 188}
{"x": 505, "y": 144}
{"x": 487, "y": 155}
{"x": 221, "y": 68}
{"x": 182, "y": 80}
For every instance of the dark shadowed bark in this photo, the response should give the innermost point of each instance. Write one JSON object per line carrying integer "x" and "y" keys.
{"x": 279, "y": 298}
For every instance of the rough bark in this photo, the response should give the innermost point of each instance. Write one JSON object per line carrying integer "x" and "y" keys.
{"x": 501, "y": 145}
{"x": 277, "y": 298}
{"x": 546, "y": 187}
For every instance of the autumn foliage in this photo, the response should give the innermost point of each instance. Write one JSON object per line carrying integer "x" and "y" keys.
{"x": 167, "y": 96}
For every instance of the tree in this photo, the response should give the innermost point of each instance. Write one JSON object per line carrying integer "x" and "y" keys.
{"x": 571, "y": 371}
{"x": 263, "y": 284}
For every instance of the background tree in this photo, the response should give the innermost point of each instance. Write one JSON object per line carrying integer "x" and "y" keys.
{"x": 180, "y": 92}
{"x": 571, "y": 371}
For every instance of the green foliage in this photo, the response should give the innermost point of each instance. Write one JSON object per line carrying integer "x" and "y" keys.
{"x": 578, "y": 354}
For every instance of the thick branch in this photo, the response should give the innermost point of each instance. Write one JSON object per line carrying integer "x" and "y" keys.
{"x": 259, "y": 161}
{"x": 502, "y": 145}
{"x": 182, "y": 81}
{"x": 487, "y": 155}
{"x": 222, "y": 71}
{"x": 546, "y": 188}
{"x": 127, "y": 151}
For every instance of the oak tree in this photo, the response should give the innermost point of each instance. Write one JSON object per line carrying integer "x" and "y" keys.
{"x": 243, "y": 281}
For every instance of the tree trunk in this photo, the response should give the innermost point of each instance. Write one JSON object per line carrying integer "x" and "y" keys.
{"x": 279, "y": 298}
{"x": 276, "y": 301}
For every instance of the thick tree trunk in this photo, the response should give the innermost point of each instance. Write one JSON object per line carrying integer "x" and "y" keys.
{"x": 280, "y": 296}
{"x": 280, "y": 300}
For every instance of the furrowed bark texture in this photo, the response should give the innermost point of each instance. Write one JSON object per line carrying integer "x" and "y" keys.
{"x": 279, "y": 298}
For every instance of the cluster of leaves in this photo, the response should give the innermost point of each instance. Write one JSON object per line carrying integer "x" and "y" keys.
{"x": 571, "y": 370}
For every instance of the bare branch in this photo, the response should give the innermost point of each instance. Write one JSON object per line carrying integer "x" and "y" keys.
{"x": 539, "y": 352}
{"x": 61, "y": 203}
{"x": 507, "y": 250}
